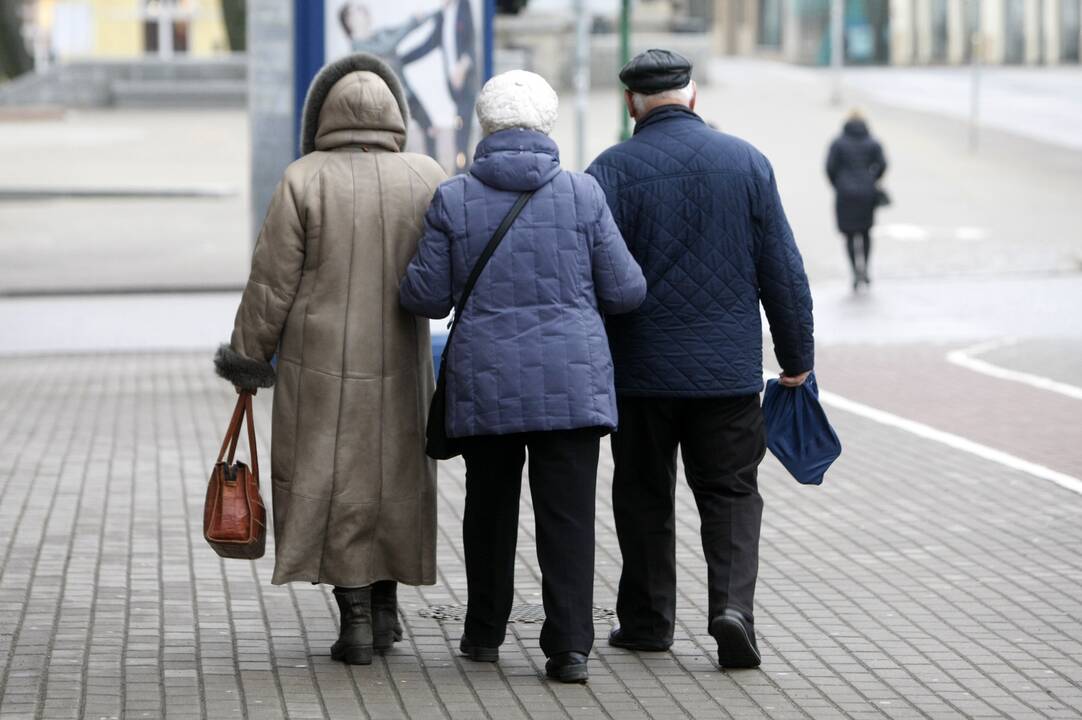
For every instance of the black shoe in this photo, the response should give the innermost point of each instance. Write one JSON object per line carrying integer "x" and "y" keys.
{"x": 354, "y": 644}
{"x": 478, "y": 653}
{"x": 567, "y": 667}
{"x": 617, "y": 639}
{"x": 736, "y": 640}
{"x": 386, "y": 628}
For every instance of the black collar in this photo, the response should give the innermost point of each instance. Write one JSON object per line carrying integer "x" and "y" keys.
{"x": 665, "y": 112}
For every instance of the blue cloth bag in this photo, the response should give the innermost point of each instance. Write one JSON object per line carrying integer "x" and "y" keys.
{"x": 798, "y": 432}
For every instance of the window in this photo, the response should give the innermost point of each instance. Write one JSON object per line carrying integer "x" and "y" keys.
{"x": 939, "y": 31}
{"x": 166, "y": 24}
{"x": 1069, "y": 29}
{"x": 1014, "y": 27}
{"x": 770, "y": 23}
{"x": 972, "y": 20}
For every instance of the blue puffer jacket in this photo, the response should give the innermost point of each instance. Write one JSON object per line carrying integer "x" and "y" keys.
{"x": 530, "y": 353}
{"x": 700, "y": 212}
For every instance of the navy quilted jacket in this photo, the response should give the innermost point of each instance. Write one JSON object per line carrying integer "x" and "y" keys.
{"x": 700, "y": 212}
{"x": 530, "y": 353}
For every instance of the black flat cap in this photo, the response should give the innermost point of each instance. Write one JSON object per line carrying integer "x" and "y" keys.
{"x": 656, "y": 71}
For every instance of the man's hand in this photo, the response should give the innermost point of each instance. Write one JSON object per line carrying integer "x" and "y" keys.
{"x": 793, "y": 380}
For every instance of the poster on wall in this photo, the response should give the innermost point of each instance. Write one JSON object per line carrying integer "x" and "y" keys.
{"x": 435, "y": 47}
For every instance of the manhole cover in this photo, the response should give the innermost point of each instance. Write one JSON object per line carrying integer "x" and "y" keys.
{"x": 519, "y": 613}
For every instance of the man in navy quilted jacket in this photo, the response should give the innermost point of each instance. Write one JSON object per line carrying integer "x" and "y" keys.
{"x": 701, "y": 214}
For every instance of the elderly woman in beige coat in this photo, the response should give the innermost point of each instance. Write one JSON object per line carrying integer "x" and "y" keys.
{"x": 354, "y": 494}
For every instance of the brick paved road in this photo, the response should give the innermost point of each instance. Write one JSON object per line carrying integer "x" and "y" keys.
{"x": 918, "y": 582}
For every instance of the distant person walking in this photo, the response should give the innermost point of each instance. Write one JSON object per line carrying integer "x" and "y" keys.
{"x": 855, "y": 165}
{"x": 529, "y": 368}
{"x": 354, "y": 494}
{"x": 700, "y": 212}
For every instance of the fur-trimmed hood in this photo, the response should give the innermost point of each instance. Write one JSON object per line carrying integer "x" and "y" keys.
{"x": 357, "y": 100}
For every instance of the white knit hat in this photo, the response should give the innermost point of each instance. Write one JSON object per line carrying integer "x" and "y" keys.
{"x": 517, "y": 99}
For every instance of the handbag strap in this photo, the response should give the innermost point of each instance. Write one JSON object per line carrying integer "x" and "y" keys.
{"x": 478, "y": 266}
{"x": 254, "y": 454}
{"x": 233, "y": 432}
{"x": 242, "y": 412}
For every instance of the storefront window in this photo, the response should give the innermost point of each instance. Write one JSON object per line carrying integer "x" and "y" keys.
{"x": 878, "y": 15}
{"x": 770, "y": 23}
{"x": 972, "y": 17}
{"x": 1014, "y": 26}
{"x": 939, "y": 31}
{"x": 1070, "y": 27}
{"x": 166, "y": 24}
{"x": 867, "y": 31}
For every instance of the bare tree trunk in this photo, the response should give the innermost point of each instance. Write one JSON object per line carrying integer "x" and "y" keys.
{"x": 14, "y": 57}
{"x": 235, "y": 15}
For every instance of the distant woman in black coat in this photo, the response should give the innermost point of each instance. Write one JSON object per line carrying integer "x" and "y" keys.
{"x": 854, "y": 165}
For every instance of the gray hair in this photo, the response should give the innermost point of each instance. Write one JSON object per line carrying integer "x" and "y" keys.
{"x": 682, "y": 96}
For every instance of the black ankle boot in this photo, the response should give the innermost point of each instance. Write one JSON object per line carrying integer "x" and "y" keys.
{"x": 386, "y": 628}
{"x": 354, "y": 644}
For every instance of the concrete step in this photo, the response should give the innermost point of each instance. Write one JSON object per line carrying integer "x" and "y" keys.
{"x": 143, "y": 82}
{"x": 179, "y": 93}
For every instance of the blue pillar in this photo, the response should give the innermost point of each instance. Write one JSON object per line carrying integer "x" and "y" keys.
{"x": 489, "y": 41}
{"x": 308, "y": 56}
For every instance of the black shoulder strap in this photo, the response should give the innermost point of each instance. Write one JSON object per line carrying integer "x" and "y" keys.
{"x": 483, "y": 260}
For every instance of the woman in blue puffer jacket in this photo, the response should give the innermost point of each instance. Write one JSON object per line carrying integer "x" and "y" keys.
{"x": 529, "y": 366}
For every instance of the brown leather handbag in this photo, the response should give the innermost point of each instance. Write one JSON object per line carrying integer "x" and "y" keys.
{"x": 234, "y": 518}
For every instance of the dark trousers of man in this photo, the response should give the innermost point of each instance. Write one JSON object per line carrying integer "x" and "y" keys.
{"x": 859, "y": 247}
{"x": 722, "y": 441}
{"x": 563, "y": 483}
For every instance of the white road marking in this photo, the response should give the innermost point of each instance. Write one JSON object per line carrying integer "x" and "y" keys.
{"x": 970, "y": 233}
{"x": 908, "y": 232}
{"x": 951, "y": 440}
{"x": 964, "y": 358}
{"x": 902, "y": 232}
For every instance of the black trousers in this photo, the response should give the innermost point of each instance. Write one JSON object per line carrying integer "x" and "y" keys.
{"x": 722, "y": 441}
{"x": 563, "y": 483}
{"x": 859, "y": 247}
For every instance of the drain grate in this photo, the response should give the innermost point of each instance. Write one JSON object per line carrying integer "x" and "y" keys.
{"x": 519, "y": 613}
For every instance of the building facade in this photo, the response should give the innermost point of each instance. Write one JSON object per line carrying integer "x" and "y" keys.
{"x": 906, "y": 32}
{"x": 63, "y": 30}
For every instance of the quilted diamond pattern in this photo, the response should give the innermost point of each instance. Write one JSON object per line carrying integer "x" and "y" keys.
{"x": 531, "y": 352}
{"x": 701, "y": 214}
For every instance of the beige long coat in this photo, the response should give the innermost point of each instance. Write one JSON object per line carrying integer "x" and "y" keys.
{"x": 354, "y": 494}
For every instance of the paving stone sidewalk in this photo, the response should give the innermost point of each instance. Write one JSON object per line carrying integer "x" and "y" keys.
{"x": 918, "y": 582}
